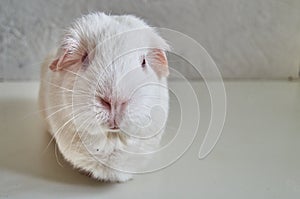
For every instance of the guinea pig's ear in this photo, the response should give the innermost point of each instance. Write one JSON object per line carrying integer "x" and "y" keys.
{"x": 65, "y": 58}
{"x": 157, "y": 59}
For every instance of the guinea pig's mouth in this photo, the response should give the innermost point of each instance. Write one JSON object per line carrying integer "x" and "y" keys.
{"x": 114, "y": 129}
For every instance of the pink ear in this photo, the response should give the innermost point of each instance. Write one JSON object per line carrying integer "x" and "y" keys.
{"x": 158, "y": 61}
{"x": 64, "y": 60}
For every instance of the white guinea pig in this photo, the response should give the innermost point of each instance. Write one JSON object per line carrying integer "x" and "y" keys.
{"x": 104, "y": 94}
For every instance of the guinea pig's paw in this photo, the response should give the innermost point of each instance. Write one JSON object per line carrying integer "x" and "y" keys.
{"x": 110, "y": 175}
{"x": 124, "y": 177}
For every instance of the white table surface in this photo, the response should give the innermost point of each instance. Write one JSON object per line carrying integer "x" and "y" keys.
{"x": 257, "y": 156}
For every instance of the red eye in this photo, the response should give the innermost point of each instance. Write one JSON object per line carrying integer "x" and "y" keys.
{"x": 144, "y": 63}
{"x": 85, "y": 59}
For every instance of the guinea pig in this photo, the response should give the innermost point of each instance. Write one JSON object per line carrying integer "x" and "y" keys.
{"x": 104, "y": 94}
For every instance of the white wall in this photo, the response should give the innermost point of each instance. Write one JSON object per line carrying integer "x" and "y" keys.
{"x": 247, "y": 38}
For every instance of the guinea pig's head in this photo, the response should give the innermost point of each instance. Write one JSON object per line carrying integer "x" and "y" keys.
{"x": 116, "y": 67}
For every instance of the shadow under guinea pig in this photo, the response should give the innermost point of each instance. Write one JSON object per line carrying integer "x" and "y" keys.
{"x": 24, "y": 149}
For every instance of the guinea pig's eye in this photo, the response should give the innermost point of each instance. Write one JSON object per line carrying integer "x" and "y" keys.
{"x": 143, "y": 63}
{"x": 85, "y": 59}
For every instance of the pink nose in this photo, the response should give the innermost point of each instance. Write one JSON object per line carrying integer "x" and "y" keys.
{"x": 112, "y": 123}
{"x": 116, "y": 110}
{"x": 116, "y": 113}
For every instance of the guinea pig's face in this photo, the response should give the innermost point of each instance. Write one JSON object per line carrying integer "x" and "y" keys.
{"x": 129, "y": 95}
{"x": 115, "y": 91}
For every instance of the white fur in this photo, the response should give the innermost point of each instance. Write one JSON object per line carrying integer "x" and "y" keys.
{"x": 116, "y": 46}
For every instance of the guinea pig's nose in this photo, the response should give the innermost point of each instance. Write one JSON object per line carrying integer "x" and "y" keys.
{"x": 112, "y": 124}
{"x": 116, "y": 113}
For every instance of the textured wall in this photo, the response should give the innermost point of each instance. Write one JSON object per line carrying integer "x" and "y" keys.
{"x": 247, "y": 38}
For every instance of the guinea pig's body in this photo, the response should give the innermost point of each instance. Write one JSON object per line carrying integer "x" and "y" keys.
{"x": 98, "y": 92}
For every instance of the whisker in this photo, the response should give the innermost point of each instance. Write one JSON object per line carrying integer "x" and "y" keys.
{"x": 63, "y": 108}
{"x": 59, "y": 129}
{"x": 55, "y": 85}
{"x": 53, "y": 107}
{"x": 41, "y": 110}
{"x": 77, "y": 75}
{"x": 85, "y": 134}
{"x": 66, "y": 89}
{"x": 74, "y": 92}
{"x": 56, "y": 157}
{"x": 75, "y": 134}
